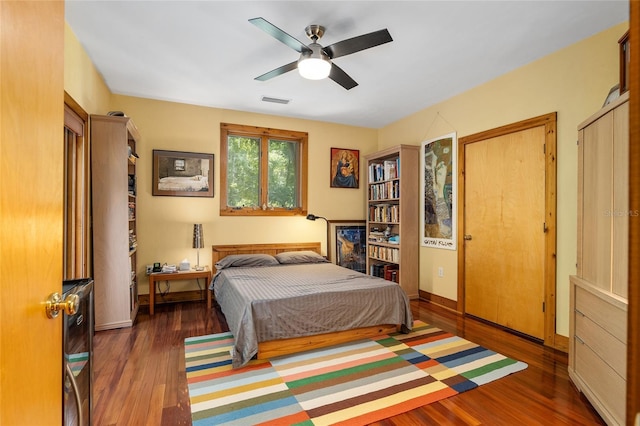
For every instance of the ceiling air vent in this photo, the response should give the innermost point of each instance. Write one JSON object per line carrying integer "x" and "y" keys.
{"x": 275, "y": 100}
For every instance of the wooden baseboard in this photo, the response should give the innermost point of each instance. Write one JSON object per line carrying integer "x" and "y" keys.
{"x": 561, "y": 343}
{"x": 443, "y": 302}
{"x": 174, "y": 297}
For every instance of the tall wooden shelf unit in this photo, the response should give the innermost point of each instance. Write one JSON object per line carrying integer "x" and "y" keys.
{"x": 113, "y": 173}
{"x": 393, "y": 192}
{"x": 599, "y": 290}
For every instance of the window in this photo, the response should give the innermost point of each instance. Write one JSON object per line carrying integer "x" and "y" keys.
{"x": 263, "y": 172}
{"x": 77, "y": 232}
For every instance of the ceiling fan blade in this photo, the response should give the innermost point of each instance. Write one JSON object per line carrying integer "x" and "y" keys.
{"x": 356, "y": 44}
{"x": 278, "y": 71}
{"x": 341, "y": 77}
{"x": 279, "y": 35}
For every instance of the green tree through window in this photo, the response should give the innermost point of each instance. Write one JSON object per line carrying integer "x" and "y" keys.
{"x": 263, "y": 171}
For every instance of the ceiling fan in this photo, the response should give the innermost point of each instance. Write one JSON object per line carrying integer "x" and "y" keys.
{"x": 315, "y": 62}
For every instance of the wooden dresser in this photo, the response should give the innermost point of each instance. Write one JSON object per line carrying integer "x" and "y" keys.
{"x": 598, "y": 292}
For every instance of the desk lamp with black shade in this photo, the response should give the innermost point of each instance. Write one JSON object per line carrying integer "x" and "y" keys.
{"x": 314, "y": 217}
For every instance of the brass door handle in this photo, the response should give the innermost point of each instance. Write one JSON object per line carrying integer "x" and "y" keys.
{"x": 55, "y": 304}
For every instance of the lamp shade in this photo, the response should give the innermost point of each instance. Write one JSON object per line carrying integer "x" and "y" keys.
{"x": 314, "y": 217}
{"x": 198, "y": 236}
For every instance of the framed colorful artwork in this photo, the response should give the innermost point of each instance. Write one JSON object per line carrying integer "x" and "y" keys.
{"x": 345, "y": 168}
{"x": 438, "y": 213}
{"x": 347, "y": 244}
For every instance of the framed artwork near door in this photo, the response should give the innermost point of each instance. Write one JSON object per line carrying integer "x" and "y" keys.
{"x": 438, "y": 173}
{"x": 347, "y": 244}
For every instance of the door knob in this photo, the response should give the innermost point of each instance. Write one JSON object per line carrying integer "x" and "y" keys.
{"x": 467, "y": 236}
{"x": 55, "y": 304}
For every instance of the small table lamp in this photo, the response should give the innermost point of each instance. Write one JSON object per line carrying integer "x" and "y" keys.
{"x": 198, "y": 243}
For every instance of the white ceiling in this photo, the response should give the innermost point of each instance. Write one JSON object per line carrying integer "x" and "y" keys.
{"x": 207, "y": 53}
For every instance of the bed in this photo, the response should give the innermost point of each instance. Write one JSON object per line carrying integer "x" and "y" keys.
{"x": 184, "y": 183}
{"x": 285, "y": 298}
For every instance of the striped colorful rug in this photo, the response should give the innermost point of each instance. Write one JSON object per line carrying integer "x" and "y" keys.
{"x": 355, "y": 383}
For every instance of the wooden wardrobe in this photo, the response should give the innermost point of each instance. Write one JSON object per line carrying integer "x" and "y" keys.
{"x": 599, "y": 290}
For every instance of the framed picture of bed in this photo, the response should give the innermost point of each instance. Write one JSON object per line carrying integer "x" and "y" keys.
{"x": 347, "y": 244}
{"x": 182, "y": 174}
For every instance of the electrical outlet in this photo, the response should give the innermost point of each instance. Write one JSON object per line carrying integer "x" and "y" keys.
{"x": 149, "y": 269}
{"x": 440, "y": 271}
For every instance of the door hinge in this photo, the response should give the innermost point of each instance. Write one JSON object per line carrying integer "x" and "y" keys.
{"x": 544, "y": 227}
{"x": 543, "y": 307}
{"x": 544, "y": 148}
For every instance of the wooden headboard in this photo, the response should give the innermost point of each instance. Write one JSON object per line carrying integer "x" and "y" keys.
{"x": 273, "y": 248}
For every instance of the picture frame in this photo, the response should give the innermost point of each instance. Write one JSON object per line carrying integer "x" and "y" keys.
{"x": 438, "y": 189}
{"x": 345, "y": 168}
{"x": 182, "y": 174}
{"x": 347, "y": 244}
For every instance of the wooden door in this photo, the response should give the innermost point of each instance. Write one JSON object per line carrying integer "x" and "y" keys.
{"x": 31, "y": 122}
{"x": 504, "y": 227}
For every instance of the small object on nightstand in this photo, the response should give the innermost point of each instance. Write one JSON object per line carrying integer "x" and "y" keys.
{"x": 168, "y": 268}
{"x": 185, "y": 265}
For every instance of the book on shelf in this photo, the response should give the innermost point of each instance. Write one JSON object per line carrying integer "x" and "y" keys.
{"x": 376, "y": 236}
{"x": 386, "y": 271}
{"x": 391, "y": 272}
{"x": 385, "y": 170}
{"x": 390, "y": 169}
{"x": 132, "y": 211}
{"x": 132, "y": 184}
{"x": 384, "y": 213}
{"x": 389, "y": 254}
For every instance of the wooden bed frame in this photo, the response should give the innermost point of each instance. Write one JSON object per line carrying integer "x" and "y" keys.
{"x": 274, "y": 348}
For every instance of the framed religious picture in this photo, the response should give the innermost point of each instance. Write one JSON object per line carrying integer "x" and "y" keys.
{"x": 182, "y": 174}
{"x": 347, "y": 244}
{"x": 438, "y": 212}
{"x": 345, "y": 168}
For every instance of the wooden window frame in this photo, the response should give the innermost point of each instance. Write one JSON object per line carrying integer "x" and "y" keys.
{"x": 264, "y": 134}
{"x": 77, "y": 213}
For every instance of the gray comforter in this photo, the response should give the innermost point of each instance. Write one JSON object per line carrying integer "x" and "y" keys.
{"x": 279, "y": 302}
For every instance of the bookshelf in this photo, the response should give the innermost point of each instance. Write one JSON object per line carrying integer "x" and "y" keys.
{"x": 393, "y": 185}
{"x": 113, "y": 165}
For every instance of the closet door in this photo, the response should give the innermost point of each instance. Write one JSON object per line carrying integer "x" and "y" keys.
{"x": 504, "y": 216}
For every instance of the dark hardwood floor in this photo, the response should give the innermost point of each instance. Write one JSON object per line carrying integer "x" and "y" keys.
{"x": 139, "y": 376}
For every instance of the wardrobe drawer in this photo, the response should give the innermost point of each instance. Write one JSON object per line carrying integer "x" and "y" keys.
{"x": 606, "y": 315}
{"x": 602, "y": 343}
{"x": 604, "y": 383}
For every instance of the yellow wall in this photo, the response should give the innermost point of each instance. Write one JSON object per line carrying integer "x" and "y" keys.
{"x": 574, "y": 82}
{"x": 165, "y": 224}
{"x": 81, "y": 79}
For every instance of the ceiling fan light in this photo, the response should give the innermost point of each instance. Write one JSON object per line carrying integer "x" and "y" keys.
{"x": 314, "y": 64}
{"x": 314, "y": 68}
